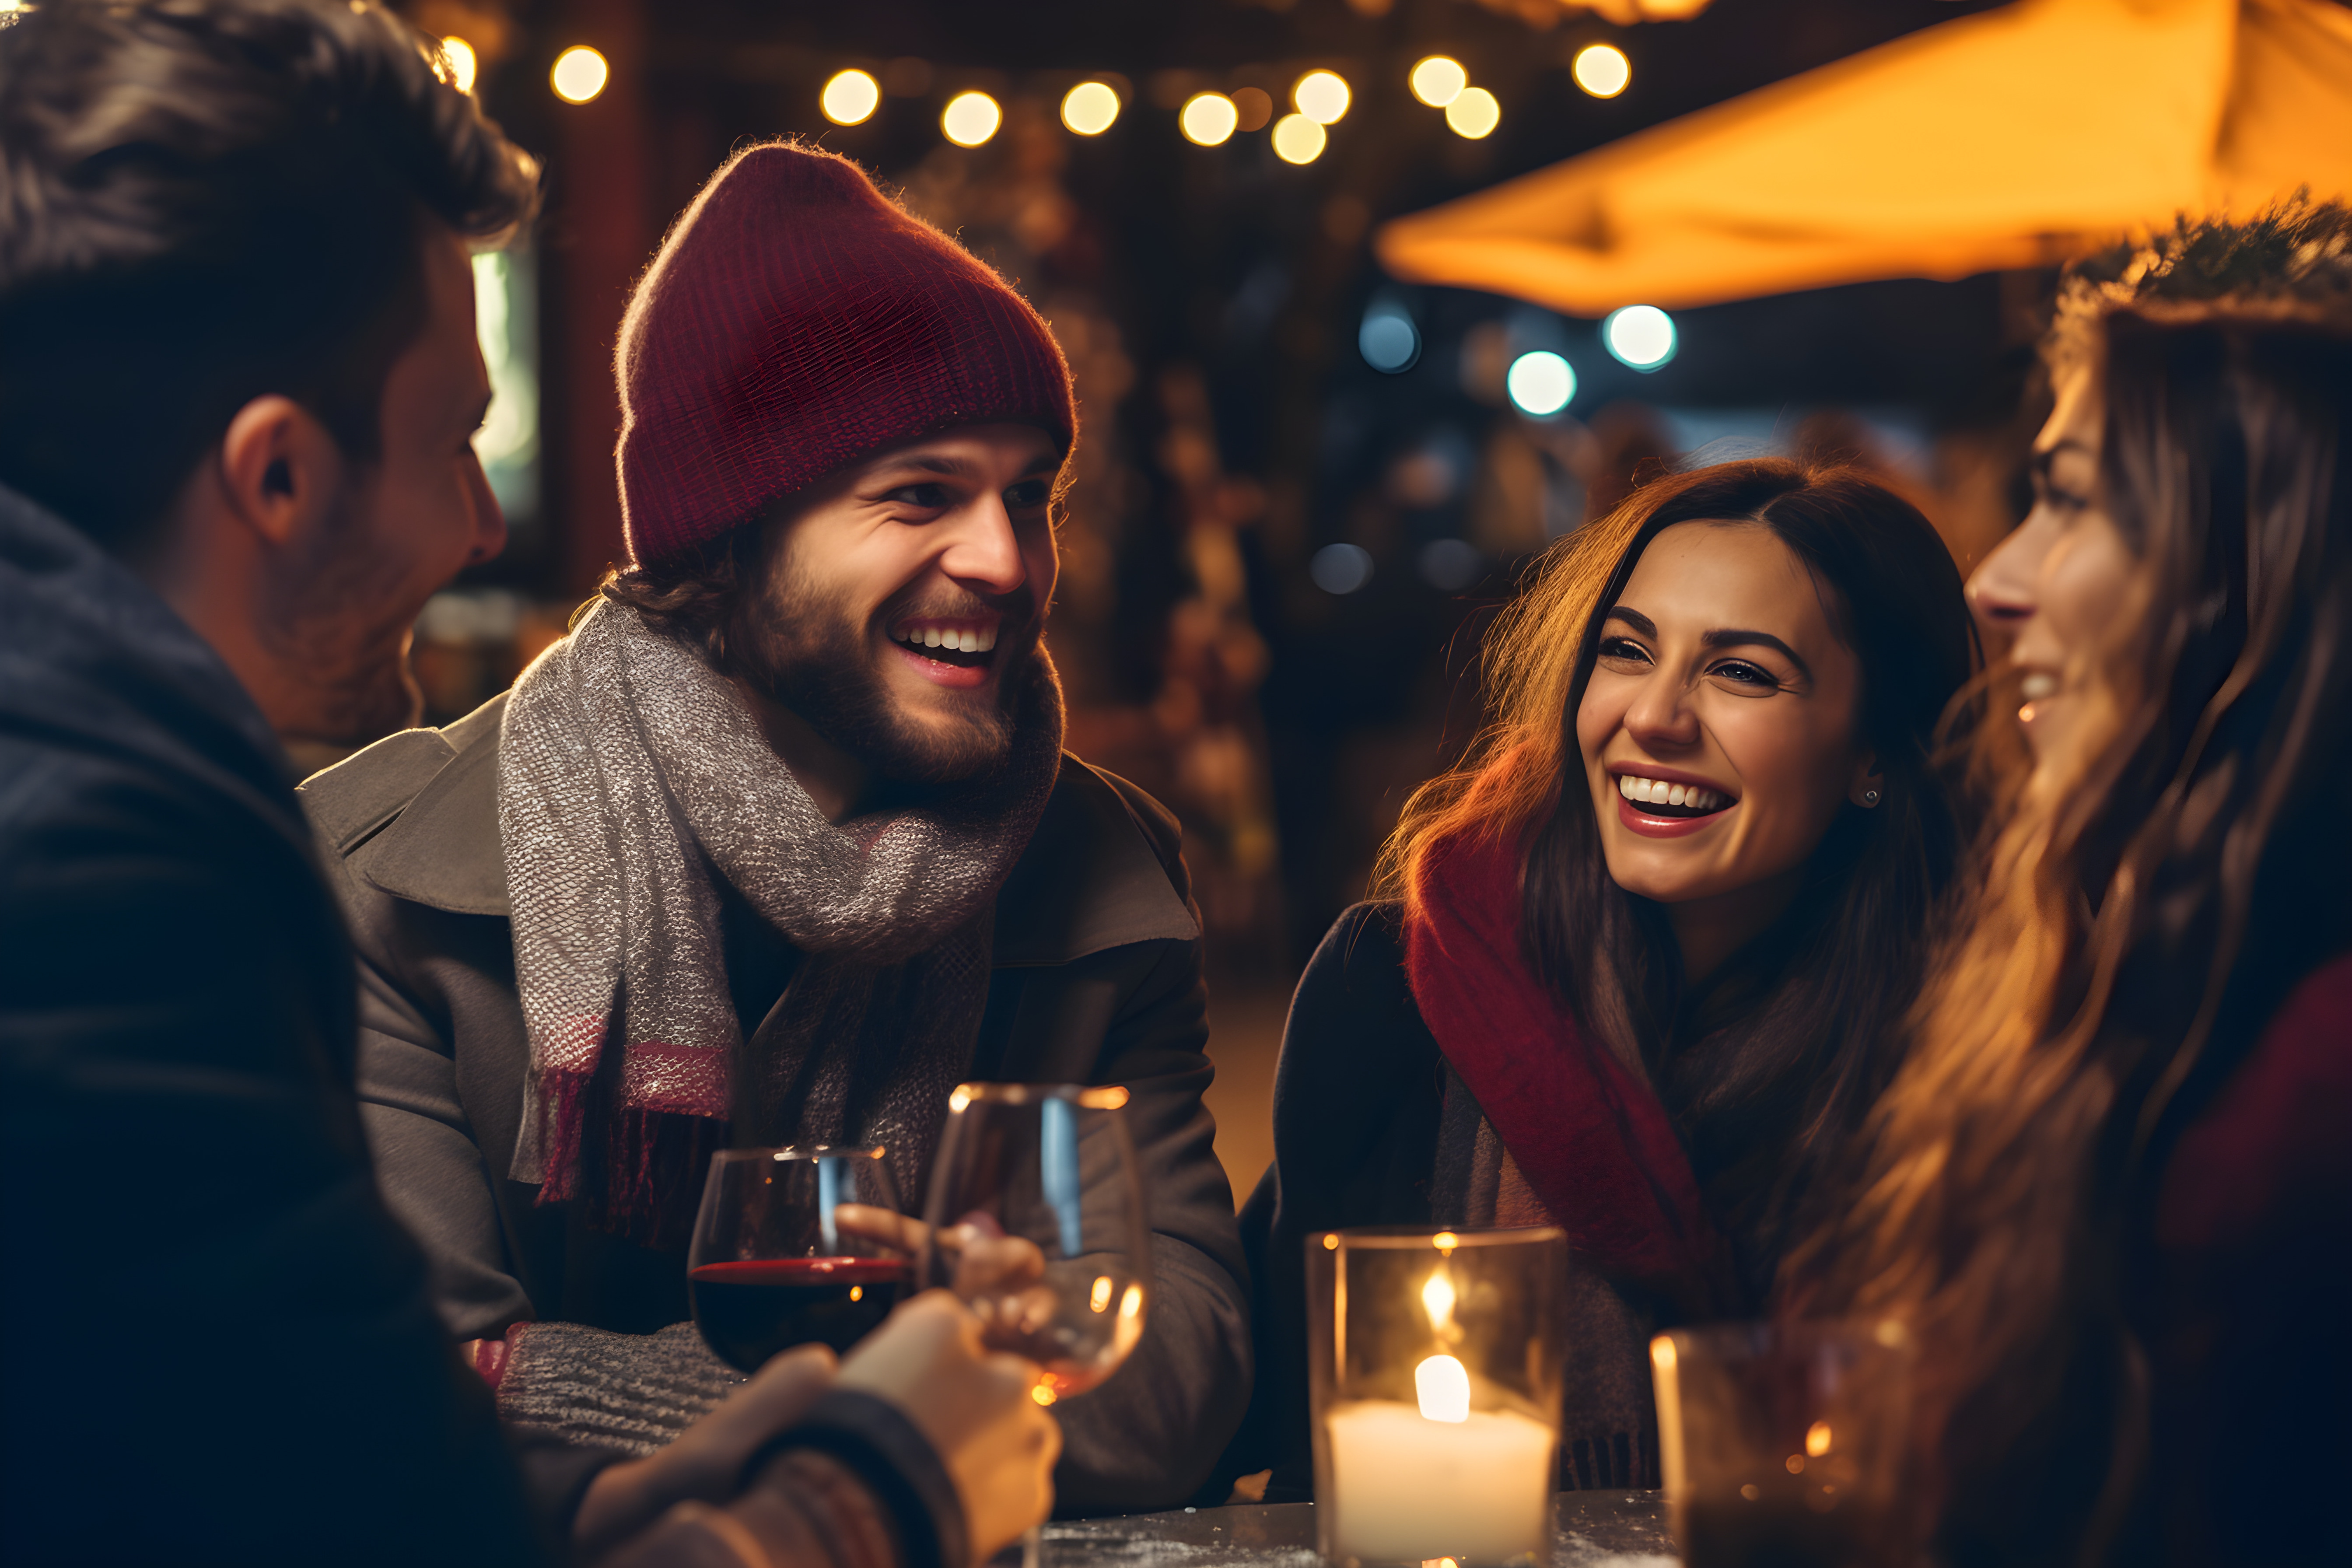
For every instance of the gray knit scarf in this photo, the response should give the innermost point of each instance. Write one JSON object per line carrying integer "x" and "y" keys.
{"x": 631, "y": 774}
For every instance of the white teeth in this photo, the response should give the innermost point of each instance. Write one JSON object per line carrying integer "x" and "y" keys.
{"x": 959, "y": 640}
{"x": 1658, "y": 792}
{"x": 987, "y": 640}
{"x": 930, "y": 636}
{"x": 2039, "y": 685}
{"x": 968, "y": 642}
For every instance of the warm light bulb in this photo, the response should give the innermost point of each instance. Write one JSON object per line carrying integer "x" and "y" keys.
{"x": 1442, "y": 1386}
{"x": 1601, "y": 69}
{"x": 579, "y": 74}
{"x": 1322, "y": 96}
{"x": 1438, "y": 80}
{"x": 1297, "y": 140}
{"x": 1208, "y": 118}
{"x": 850, "y": 97}
{"x": 1099, "y": 1298}
{"x": 1475, "y": 113}
{"x": 971, "y": 118}
{"x": 459, "y": 56}
{"x": 1090, "y": 107}
{"x": 1437, "y": 1301}
{"x": 1818, "y": 1439}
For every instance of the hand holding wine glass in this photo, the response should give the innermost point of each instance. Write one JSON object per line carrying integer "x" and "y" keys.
{"x": 1037, "y": 1221}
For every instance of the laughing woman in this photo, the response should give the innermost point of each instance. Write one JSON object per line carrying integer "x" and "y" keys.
{"x": 2112, "y": 1184}
{"x": 1638, "y": 958}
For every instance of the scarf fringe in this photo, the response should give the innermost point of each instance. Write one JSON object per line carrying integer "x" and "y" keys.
{"x": 645, "y": 1186}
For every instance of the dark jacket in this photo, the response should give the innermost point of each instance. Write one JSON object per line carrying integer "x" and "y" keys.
{"x": 1371, "y": 1127}
{"x": 218, "y": 1345}
{"x": 1097, "y": 980}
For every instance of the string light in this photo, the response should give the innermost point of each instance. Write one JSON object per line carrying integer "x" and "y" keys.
{"x": 579, "y": 74}
{"x": 459, "y": 58}
{"x": 1298, "y": 139}
{"x": 1642, "y": 336}
{"x": 1208, "y": 119}
{"x": 850, "y": 97}
{"x": 1090, "y": 108}
{"x": 1540, "y": 383}
{"x": 1322, "y": 96}
{"x": 1473, "y": 113}
{"x": 971, "y": 118}
{"x": 1438, "y": 80}
{"x": 1601, "y": 69}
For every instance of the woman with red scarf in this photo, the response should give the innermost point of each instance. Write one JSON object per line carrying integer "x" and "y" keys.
{"x": 1643, "y": 956}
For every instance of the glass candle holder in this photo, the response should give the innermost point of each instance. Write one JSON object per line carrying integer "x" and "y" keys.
{"x": 1435, "y": 1362}
{"x": 1785, "y": 1442}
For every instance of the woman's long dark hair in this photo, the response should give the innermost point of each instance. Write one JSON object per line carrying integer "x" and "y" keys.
{"x": 2140, "y": 910}
{"x": 1768, "y": 1071}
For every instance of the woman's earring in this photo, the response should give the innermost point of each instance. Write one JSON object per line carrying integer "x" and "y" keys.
{"x": 1870, "y": 797}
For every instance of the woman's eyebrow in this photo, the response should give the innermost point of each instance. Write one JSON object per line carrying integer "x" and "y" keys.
{"x": 1735, "y": 637}
{"x": 1633, "y": 618}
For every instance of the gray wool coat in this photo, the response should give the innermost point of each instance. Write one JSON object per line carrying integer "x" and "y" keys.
{"x": 1097, "y": 979}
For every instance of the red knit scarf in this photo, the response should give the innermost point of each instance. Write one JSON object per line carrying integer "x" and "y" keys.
{"x": 1590, "y": 1136}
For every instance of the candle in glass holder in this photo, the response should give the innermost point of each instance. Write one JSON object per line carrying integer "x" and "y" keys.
{"x": 1436, "y": 1387}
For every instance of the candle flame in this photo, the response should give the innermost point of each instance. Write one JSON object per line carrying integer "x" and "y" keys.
{"x": 1442, "y": 1386}
{"x": 1437, "y": 1298}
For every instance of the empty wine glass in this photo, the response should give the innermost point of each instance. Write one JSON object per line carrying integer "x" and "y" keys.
{"x": 1037, "y": 1220}
{"x": 769, "y": 1270}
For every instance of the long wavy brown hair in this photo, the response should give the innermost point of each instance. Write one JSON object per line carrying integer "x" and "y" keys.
{"x": 1767, "y": 1072}
{"x": 2140, "y": 907}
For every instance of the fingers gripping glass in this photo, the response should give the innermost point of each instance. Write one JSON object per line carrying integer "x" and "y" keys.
{"x": 1037, "y": 1220}
{"x": 770, "y": 1267}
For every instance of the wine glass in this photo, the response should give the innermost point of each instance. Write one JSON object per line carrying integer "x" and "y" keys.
{"x": 1037, "y": 1221}
{"x": 768, "y": 1267}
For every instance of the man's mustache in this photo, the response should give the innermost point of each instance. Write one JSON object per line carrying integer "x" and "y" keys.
{"x": 1018, "y": 610}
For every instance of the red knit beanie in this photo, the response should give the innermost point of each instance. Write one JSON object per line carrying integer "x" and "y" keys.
{"x": 797, "y": 320}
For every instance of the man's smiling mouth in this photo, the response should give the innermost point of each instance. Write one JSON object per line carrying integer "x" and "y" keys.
{"x": 962, "y": 643}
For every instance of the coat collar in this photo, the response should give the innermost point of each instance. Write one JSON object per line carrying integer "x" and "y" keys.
{"x": 417, "y": 816}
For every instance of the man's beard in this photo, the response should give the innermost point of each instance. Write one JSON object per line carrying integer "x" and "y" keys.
{"x": 809, "y": 652}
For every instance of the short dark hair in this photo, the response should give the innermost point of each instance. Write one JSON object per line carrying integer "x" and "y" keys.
{"x": 203, "y": 202}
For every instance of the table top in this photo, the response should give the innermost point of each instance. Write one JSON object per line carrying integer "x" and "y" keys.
{"x": 1590, "y": 1530}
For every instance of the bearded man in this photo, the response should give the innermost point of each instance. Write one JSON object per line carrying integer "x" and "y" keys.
{"x": 781, "y": 843}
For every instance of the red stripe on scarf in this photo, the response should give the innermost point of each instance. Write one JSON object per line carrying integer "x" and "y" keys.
{"x": 1591, "y": 1139}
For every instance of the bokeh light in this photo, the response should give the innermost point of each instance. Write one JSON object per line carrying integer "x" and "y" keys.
{"x": 1208, "y": 118}
{"x": 1322, "y": 96}
{"x": 850, "y": 97}
{"x": 1642, "y": 336}
{"x": 1540, "y": 383}
{"x": 1298, "y": 139}
{"x": 1473, "y": 113}
{"x": 463, "y": 64}
{"x": 971, "y": 118}
{"x": 1090, "y": 108}
{"x": 1601, "y": 69}
{"x": 1388, "y": 338}
{"x": 579, "y": 74}
{"x": 1340, "y": 568}
{"x": 1438, "y": 80}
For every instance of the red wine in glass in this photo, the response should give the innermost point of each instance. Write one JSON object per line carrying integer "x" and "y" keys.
{"x": 768, "y": 1268}
{"x": 752, "y": 1309}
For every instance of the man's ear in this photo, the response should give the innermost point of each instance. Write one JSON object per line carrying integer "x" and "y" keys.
{"x": 280, "y": 468}
{"x": 1867, "y": 786}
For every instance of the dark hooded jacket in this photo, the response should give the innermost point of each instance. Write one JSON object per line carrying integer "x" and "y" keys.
{"x": 1097, "y": 979}
{"x": 219, "y": 1346}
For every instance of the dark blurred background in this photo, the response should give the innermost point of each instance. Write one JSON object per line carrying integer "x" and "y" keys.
{"x": 1301, "y": 487}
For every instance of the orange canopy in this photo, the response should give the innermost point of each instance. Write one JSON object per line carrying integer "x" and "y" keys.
{"x": 2008, "y": 139}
